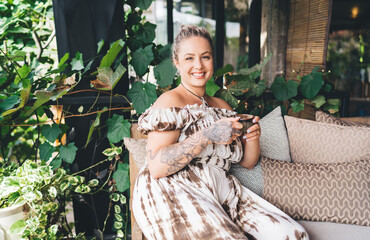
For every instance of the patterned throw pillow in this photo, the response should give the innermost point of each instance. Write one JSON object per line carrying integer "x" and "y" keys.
{"x": 138, "y": 150}
{"x": 315, "y": 142}
{"x": 274, "y": 144}
{"x": 323, "y": 117}
{"x": 336, "y": 192}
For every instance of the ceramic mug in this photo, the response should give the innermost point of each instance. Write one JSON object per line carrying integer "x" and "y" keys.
{"x": 246, "y": 120}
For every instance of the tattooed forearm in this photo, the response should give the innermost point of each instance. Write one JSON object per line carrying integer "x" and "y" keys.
{"x": 178, "y": 155}
{"x": 220, "y": 132}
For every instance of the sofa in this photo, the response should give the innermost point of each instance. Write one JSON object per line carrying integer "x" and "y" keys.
{"x": 315, "y": 171}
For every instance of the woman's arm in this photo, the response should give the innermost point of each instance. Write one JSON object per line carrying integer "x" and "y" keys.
{"x": 251, "y": 144}
{"x": 166, "y": 156}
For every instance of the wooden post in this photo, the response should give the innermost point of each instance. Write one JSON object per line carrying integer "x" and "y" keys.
{"x": 136, "y": 233}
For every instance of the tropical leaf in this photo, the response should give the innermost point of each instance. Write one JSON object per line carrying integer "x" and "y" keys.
{"x": 143, "y": 4}
{"x": 142, "y": 95}
{"x": 77, "y": 62}
{"x": 9, "y": 102}
{"x": 112, "y": 53}
{"x": 141, "y": 59}
{"x": 51, "y": 133}
{"x": 22, "y": 73}
{"x": 46, "y": 151}
{"x": 107, "y": 79}
{"x": 297, "y": 106}
{"x": 228, "y": 97}
{"x": 118, "y": 128}
{"x": 164, "y": 73}
{"x": 226, "y": 69}
{"x": 211, "y": 87}
{"x": 311, "y": 84}
{"x": 283, "y": 91}
{"x": 68, "y": 153}
{"x": 25, "y": 93}
{"x": 146, "y": 34}
{"x": 238, "y": 84}
{"x": 319, "y": 100}
{"x": 121, "y": 177}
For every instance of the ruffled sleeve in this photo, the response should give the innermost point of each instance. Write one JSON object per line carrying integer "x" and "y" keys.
{"x": 166, "y": 119}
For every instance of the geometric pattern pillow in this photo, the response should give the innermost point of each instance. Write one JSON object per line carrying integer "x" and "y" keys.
{"x": 321, "y": 116}
{"x": 316, "y": 142}
{"x": 273, "y": 144}
{"x": 138, "y": 150}
{"x": 337, "y": 192}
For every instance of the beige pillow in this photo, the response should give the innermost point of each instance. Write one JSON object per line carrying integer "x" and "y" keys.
{"x": 321, "y": 116}
{"x": 336, "y": 192}
{"x": 315, "y": 142}
{"x": 138, "y": 150}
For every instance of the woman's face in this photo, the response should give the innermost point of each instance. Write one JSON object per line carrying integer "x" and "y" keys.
{"x": 195, "y": 61}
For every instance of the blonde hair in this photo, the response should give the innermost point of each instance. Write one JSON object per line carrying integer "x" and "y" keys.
{"x": 188, "y": 31}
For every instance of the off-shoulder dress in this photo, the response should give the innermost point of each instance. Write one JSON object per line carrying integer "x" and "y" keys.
{"x": 203, "y": 201}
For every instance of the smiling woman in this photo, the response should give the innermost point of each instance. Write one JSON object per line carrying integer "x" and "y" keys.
{"x": 184, "y": 190}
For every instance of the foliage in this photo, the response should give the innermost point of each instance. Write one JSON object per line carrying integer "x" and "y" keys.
{"x": 247, "y": 94}
{"x": 40, "y": 188}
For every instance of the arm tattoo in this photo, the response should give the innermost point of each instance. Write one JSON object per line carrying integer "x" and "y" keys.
{"x": 220, "y": 132}
{"x": 178, "y": 155}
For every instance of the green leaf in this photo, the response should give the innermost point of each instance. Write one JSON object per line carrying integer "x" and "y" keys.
{"x": 46, "y": 150}
{"x": 121, "y": 177}
{"x": 297, "y": 106}
{"x": 143, "y": 4}
{"x": 107, "y": 79}
{"x": 51, "y": 133}
{"x": 118, "y": 128}
{"x": 100, "y": 45}
{"x": 56, "y": 163}
{"x": 112, "y": 53}
{"x": 327, "y": 87}
{"x": 42, "y": 97}
{"x": 77, "y": 62}
{"x": 9, "y": 103}
{"x": 165, "y": 51}
{"x": 311, "y": 84}
{"x": 95, "y": 124}
{"x": 18, "y": 227}
{"x": 25, "y": 93}
{"x": 68, "y": 153}
{"x": 238, "y": 84}
{"x": 259, "y": 88}
{"x": 283, "y": 91}
{"x": 63, "y": 59}
{"x": 256, "y": 67}
{"x": 319, "y": 100}
{"x": 164, "y": 73}
{"x": 226, "y": 69}
{"x": 228, "y": 97}
{"x": 146, "y": 34}
{"x": 334, "y": 101}
{"x": 141, "y": 59}
{"x": 23, "y": 72}
{"x": 142, "y": 95}
{"x": 211, "y": 87}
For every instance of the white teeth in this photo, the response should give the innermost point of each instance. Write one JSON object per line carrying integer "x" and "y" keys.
{"x": 198, "y": 74}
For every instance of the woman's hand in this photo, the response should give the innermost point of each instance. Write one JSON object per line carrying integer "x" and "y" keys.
{"x": 254, "y": 132}
{"x": 224, "y": 131}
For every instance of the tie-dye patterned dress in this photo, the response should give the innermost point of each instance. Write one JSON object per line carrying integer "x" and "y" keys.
{"x": 202, "y": 201}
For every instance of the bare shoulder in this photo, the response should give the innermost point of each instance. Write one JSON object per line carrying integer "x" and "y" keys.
{"x": 219, "y": 103}
{"x": 169, "y": 99}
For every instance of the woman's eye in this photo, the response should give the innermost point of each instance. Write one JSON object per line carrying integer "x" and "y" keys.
{"x": 188, "y": 58}
{"x": 207, "y": 57}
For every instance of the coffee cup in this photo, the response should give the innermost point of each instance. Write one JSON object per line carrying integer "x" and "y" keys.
{"x": 246, "y": 120}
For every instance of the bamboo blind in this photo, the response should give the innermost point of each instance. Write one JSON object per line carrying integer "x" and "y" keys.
{"x": 309, "y": 23}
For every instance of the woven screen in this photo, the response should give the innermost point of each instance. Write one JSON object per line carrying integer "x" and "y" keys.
{"x": 307, "y": 35}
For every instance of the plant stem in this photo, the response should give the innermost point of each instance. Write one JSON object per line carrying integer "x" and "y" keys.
{"x": 84, "y": 170}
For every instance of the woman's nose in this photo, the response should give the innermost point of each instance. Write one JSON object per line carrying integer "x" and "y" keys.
{"x": 198, "y": 63}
